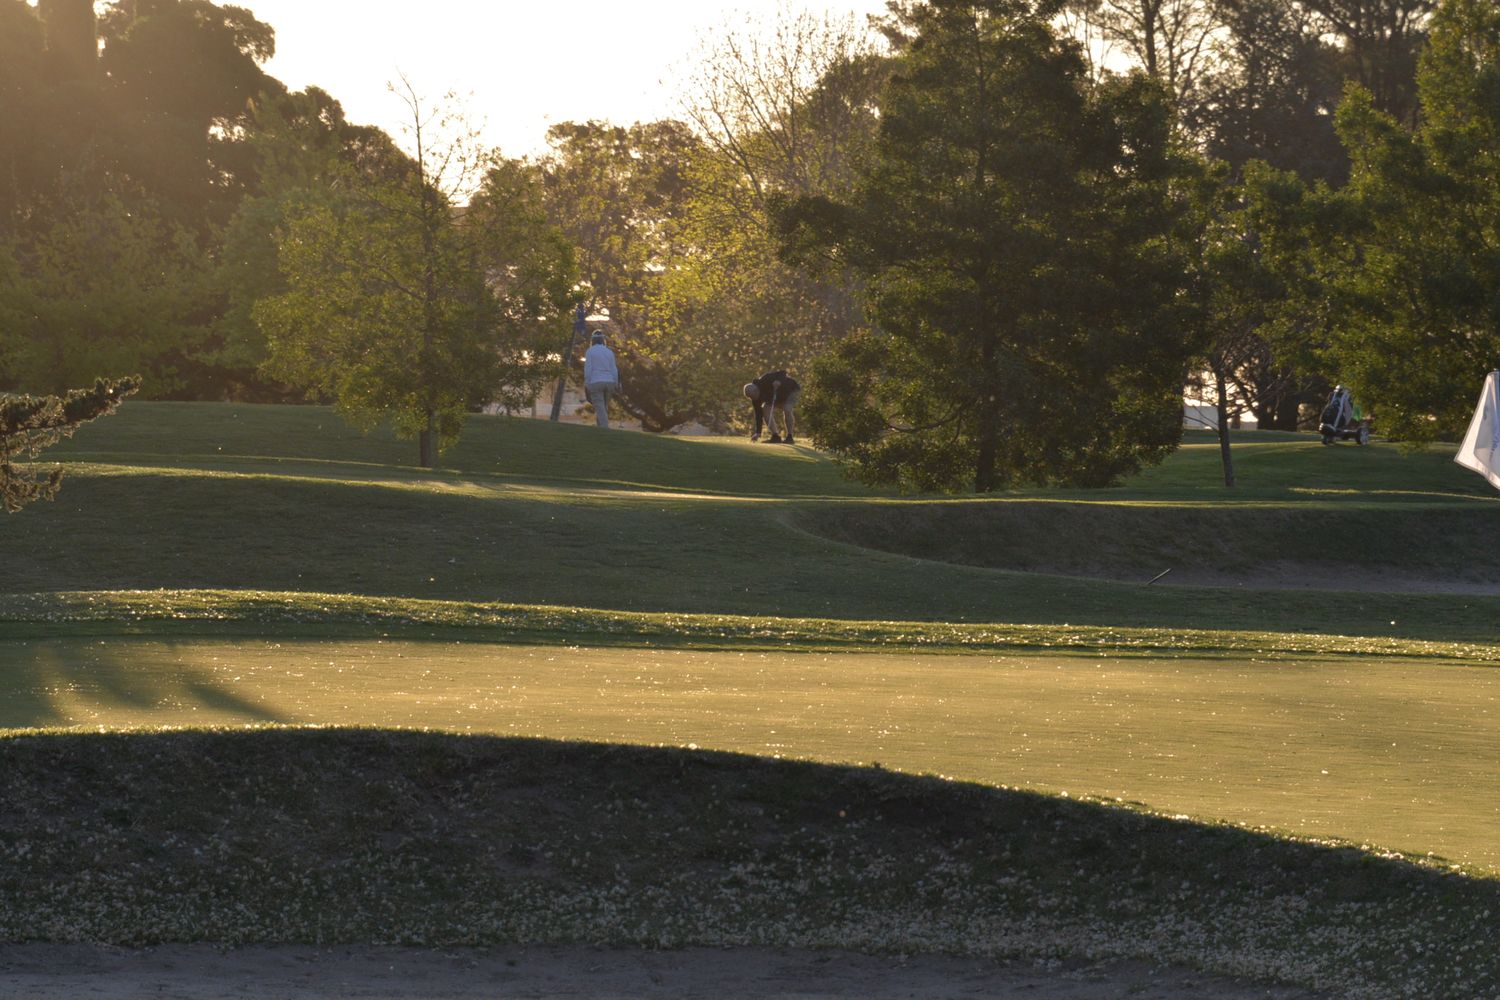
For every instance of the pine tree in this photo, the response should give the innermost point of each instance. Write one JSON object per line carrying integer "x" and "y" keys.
{"x": 30, "y": 423}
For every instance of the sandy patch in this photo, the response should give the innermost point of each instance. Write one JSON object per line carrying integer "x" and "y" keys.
{"x": 201, "y": 972}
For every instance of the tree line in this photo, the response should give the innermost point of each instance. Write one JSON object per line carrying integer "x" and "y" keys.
{"x": 999, "y": 235}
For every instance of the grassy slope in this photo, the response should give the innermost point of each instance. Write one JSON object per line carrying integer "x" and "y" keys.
{"x": 1299, "y": 511}
{"x": 532, "y": 513}
{"x": 449, "y": 841}
{"x": 1379, "y": 751}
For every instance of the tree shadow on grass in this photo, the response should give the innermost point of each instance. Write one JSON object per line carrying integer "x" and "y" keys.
{"x": 63, "y": 682}
{"x": 355, "y": 836}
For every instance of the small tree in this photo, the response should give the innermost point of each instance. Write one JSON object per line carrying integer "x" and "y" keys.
{"x": 404, "y": 304}
{"x": 29, "y": 424}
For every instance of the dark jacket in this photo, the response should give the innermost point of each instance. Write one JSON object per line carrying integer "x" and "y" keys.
{"x": 775, "y": 389}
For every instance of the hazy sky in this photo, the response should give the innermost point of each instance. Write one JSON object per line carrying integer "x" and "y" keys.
{"x": 526, "y": 63}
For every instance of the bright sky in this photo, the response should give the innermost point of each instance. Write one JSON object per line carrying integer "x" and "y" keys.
{"x": 519, "y": 65}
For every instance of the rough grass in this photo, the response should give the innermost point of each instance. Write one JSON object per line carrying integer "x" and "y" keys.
{"x": 328, "y": 837}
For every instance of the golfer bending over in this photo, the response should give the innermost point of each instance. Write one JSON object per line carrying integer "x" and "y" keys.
{"x": 773, "y": 392}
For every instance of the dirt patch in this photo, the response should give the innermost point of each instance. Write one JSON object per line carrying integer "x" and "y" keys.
{"x": 200, "y": 972}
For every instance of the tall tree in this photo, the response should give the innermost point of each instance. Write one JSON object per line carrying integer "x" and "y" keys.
{"x": 72, "y": 37}
{"x": 619, "y": 193}
{"x": 403, "y": 305}
{"x": 303, "y": 150}
{"x": 1394, "y": 275}
{"x": 51, "y": 115}
{"x": 785, "y": 110}
{"x": 1170, "y": 40}
{"x": 1014, "y": 230}
{"x": 1280, "y": 80}
{"x": 182, "y": 75}
{"x": 1380, "y": 41}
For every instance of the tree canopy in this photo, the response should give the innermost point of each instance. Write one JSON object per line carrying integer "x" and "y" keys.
{"x": 1394, "y": 276}
{"x": 402, "y": 305}
{"x": 1013, "y": 227}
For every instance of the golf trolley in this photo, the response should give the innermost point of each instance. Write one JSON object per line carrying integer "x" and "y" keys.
{"x": 1338, "y": 421}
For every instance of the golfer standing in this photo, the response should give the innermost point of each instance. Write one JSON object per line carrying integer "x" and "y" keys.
{"x": 601, "y": 379}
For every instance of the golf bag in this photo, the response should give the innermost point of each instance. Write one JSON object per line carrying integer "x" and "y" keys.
{"x": 1337, "y": 422}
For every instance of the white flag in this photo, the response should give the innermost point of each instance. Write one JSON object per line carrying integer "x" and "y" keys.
{"x": 1481, "y": 448}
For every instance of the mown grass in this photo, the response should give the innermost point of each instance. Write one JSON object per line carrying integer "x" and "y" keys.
{"x": 714, "y": 527}
{"x": 188, "y": 530}
{"x": 1376, "y": 546}
{"x": 247, "y": 437}
{"x": 338, "y": 836}
{"x": 1305, "y": 746}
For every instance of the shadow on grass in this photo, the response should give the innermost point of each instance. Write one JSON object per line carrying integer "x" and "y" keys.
{"x": 326, "y": 836}
{"x": 56, "y": 683}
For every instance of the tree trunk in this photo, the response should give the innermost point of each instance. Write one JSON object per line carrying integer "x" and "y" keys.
{"x": 989, "y": 446}
{"x": 1221, "y": 405}
{"x": 1149, "y": 18}
{"x": 1279, "y": 413}
{"x": 427, "y": 441}
{"x": 984, "y": 471}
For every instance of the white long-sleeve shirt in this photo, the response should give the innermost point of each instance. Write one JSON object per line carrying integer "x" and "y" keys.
{"x": 599, "y": 366}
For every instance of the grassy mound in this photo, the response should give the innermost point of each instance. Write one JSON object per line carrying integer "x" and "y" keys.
{"x": 176, "y": 614}
{"x": 1314, "y": 546}
{"x": 1372, "y": 518}
{"x": 372, "y": 836}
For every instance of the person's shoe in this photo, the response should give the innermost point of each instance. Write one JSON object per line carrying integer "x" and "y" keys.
{"x": 774, "y": 439}
{"x": 788, "y": 440}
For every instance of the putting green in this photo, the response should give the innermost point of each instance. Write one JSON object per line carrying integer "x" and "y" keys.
{"x": 1395, "y": 754}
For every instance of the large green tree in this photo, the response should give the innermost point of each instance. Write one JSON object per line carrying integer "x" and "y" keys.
{"x": 181, "y": 77}
{"x": 1393, "y": 277}
{"x": 304, "y": 151}
{"x": 120, "y": 151}
{"x": 404, "y": 305}
{"x": 1015, "y": 230}
{"x": 108, "y": 285}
